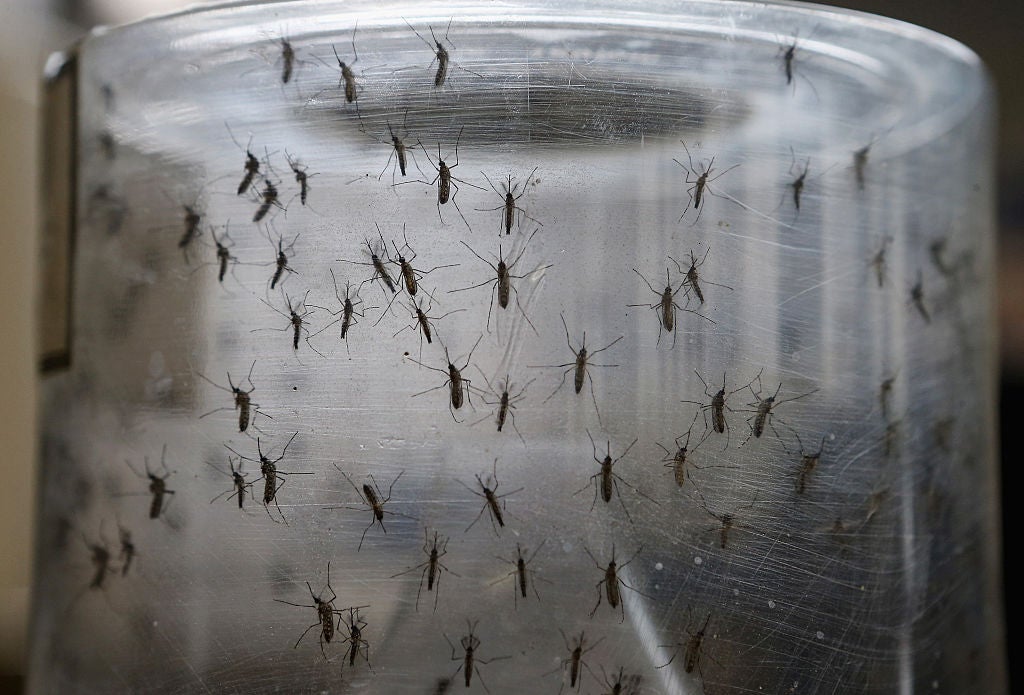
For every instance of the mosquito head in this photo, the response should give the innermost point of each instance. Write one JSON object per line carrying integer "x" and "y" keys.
{"x": 682, "y": 447}
{"x": 341, "y": 63}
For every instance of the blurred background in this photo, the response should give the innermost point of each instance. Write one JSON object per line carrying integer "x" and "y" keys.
{"x": 31, "y": 29}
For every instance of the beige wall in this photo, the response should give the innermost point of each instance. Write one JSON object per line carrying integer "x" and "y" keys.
{"x": 24, "y": 38}
{"x": 18, "y": 134}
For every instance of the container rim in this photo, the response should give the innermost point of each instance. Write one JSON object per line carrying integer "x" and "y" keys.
{"x": 949, "y": 79}
{"x": 951, "y": 47}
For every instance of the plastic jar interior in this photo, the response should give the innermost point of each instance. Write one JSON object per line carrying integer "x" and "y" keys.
{"x": 825, "y": 177}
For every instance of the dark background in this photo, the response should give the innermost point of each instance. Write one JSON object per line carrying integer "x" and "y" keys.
{"x": 31, "y": 29}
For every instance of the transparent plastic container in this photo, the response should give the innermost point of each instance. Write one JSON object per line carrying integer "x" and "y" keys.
{"x": 841, "y": 538}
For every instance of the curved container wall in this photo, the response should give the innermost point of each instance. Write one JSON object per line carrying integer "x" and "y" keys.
{"x": 847, "y": 546}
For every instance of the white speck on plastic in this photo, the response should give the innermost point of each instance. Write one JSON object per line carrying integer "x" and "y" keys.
{"x": 54, "y": 63}
{"x": 698, "y": 560}
{"x": 820, "y": 634}
{"x": 658, "y": 566}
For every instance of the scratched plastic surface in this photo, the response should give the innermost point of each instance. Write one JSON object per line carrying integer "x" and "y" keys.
{"x": 868, "y": 310}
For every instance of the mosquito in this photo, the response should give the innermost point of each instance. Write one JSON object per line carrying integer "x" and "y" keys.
{"x": 885, "y": 393}
{"x": 524, "y": 576}
{"x": 356, "y": 642}
{"x": 348, "y": 312}
{"x": 280, "y": 263}
{"x": 422, "y": 321}
{"x": 797, "y": 184}
{"x": 789, "y": 53}
{"x": 100, "y": 558}
{"x": 380, "y": 271}
{"x": 445, "y": 180}
{"x": 239, "y": 483}
{"x": 678, "y": 460}
{"x": 458, "y": 385}
{"x": 193, "y": 217}
{"x": 302, "y": 176}
{"x": 273, "y": 478}
{"x": 372, "y": 497}
{"x": 808, "y": 462}
{"x": 611, "y": 582}
{"x": 693, "y": 279}
{"x": 878, "y": 261}
{"x": 348, "y": 76}
{"x": 297, "y": 322}
{"x": 727, "y": 520}
{"x": 510, "y": 197}
{"x": 432, "y": 567}
{"x": 606, "y": 480}
{"x": 620, "y": 684}
{"x": 860, "y": 161}
{"x": 224, "y": 257}
{"x": 243, "y": 399}
{"x": 580, "y": 366}
{"x": 764, "y": 408}
{"x": 691, "y": 649}
{"x": 491, "y": 499}
{"x": 575, "y": 661}
{"x": 102, "y": 564}
{"x": 108, "y": 144}
{"x": 409, "y": 277}
{"x": 502, "y": 283}
{"x": 470, "y": 643}
{"x": 288, "y": 60}
{"x": 128, "y": 551}
{"x": 268, "y": 198}
{"x": 440, "y": 53}
{"x": 666, "y": 306}
{"x": 937, "y": 253}
{"x": 157, "y": 484}
{"x": 505, "y": 402}
{"x": 107, "y": 209}
{"x": 325, "y": 612}
{"x": 717, "y": 406}
{"x": 400, "y": 151}
{"x": 701, "y": 184}
{"x": 860, "y": 164}
{"x": 107, "y": 92}
{"x": 251, "y": 166}
{"x": 917, "y": 298}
